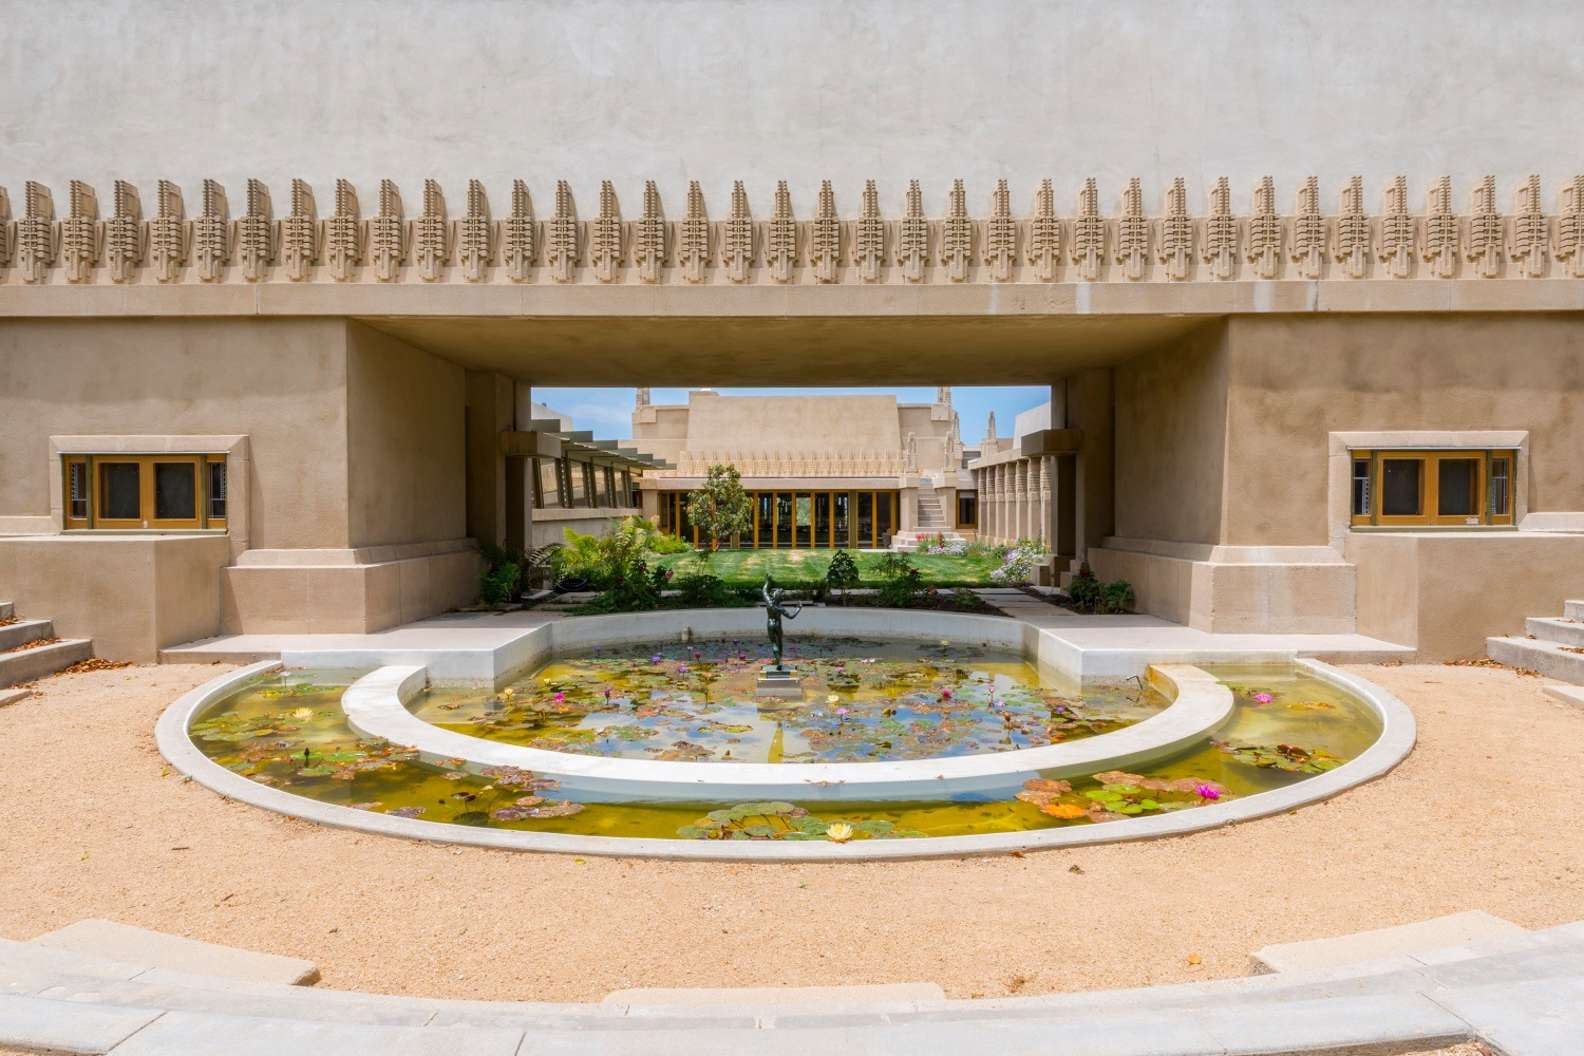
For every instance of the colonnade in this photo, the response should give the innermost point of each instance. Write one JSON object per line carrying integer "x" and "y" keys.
{"x": 1015, "y": 499}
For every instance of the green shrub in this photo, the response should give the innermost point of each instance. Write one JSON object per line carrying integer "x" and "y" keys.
{"x": 498, "y": 584}
{"x": 1087, "y": 594}
{"x": 666, "y": 543}
{"x": 966, "y": 600}
{"x": 901, "y": 583}
{"x": 704, "y": 591}
{"x": 1116, "y": 597}
{"x": 842, "y": 573}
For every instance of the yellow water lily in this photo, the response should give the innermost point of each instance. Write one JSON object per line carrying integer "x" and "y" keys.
{"x": 832, "y": 699}
{"x": 303, "y": 713}
{"x": 508, "y": 692}
{"x": 839, "y": 832}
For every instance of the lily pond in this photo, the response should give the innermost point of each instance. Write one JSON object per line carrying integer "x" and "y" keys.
{"x": 864, "y": 701}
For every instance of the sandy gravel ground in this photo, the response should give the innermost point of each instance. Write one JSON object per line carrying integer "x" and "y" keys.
{"x": 1481, "y": 816}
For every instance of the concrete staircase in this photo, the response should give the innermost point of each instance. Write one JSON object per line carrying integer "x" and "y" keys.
{"x": 1554, "y": 647}
{"x": 29, "y": 649}
{"x": 931, "y": 518}
{"x": 152, "y": 995}
{"x": 914, "y": 540}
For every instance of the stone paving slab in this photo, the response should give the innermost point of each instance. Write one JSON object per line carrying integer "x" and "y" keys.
{"x": 775, "y": 997}
{"x": 1525, "y": 1019}
{"x": 198, "y": 1034}
{"x": 154, "y": 949}
{"x": 59, "y": 1026}
{"x": 1456, "y": 929}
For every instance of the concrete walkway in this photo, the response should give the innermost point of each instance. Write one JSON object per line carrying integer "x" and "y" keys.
{"x": 1523, "y": 995}
{"x": 1094, "y": 646}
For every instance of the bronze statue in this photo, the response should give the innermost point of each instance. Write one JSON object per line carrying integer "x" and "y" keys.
{"x": 774, "y": 611}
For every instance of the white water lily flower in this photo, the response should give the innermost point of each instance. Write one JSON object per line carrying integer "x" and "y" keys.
{"x": 839, "y": 832}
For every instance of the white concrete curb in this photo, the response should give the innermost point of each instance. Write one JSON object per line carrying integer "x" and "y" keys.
{"x": 375, "y": 706}
{"x": 1393, "y": 745}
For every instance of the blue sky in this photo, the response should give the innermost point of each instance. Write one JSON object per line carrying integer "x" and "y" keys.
{"x": 609, "y": 411}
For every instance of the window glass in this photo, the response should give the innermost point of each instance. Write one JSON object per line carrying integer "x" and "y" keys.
{"x": 967, "y": 510}
{"x": 1400, "y": 487}
{"x": 549, "y": 480}
{"x": 120, "y": 486}
{"x": 1457, "y": 483}
{"x": 843, "y": 501}
{"x": 1361, "y": 487}
{"x": 175, "y": 491}
{"x": 579, "y": 484}
{"x": 1499, "y": 497}
{"x": 865, "y": 518}
{"x": 783, "y": 512}
{"x": 822, "y": 519}
{"x": 765, "y": 501}
{"x": 78, "y": 490}
{"x": 805, "y": 517}
{"x": 217, "y": 491}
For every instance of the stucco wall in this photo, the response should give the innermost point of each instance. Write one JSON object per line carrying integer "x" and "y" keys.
{"x": 792, "y": 423}
{"x": 1294, "y": 380}
{"x": 1171, "y": 439}
{"x": 1446, "y": 593}
{"x": 761, "y": 90}
{"x": 406, "y": 442}
{"x": 131, "y": 594}
{"x": 281, "y": 382}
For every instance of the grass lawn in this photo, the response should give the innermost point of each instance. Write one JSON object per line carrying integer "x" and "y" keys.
{"x": 804, "y": 568}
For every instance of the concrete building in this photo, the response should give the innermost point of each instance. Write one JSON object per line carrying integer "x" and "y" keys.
{"x": 1306, "y": 287}
{"x": 861, "y": 471}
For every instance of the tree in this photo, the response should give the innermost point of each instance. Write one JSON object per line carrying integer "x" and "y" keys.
{"x": 720, "y": 508}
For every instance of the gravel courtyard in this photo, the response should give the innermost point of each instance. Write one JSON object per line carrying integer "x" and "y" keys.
{"x": 1480, "y": 816}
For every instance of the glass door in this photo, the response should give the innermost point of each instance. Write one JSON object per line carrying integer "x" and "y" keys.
{"x": 783, "y": 519}
{"x": 805, "y": 521}
{"x": 841, "y": 503}
{"x": 822, "y": 520}
{"x": 866, "y": 519}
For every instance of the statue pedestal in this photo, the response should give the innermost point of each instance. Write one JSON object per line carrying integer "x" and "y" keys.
{"x": 776, "y": 681}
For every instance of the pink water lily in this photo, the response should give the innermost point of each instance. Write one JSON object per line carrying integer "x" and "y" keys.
{"x": 1263, "y": 698}
{"x": 559, "y": 698}
{"x": 1207, "y": 791}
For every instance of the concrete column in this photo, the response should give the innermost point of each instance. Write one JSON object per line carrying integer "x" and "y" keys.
{"x": 1041, "y": 495}
{"x": 490, "y": 411}
{"x": 1090, "y": 408}
{"x": 1064, "y": 498}
{"x": 519, "y": 477}
{"x": 1019, "y": 496}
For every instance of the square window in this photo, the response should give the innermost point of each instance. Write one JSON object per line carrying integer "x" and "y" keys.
{"x": 175, "y": 491}
{"x": 77, "y": 474}
{"x": 120, "y": 485}
{"x": 1402, "y": 487}
{"x": 1457, "y": 483}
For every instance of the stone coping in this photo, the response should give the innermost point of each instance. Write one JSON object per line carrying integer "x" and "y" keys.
{"x": 1396, "y": 740}
{"x": 1519, "y": 993}
{"x": 376, "y": 706}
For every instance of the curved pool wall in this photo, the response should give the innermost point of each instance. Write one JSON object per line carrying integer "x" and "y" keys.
{"x": 376, "y": 707}
{"x": 453, "y": 660}
{"x": 1395, "y": 741}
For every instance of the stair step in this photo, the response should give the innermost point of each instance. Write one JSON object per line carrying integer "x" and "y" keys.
{"x": 1438, "y": 933}
{"x": 1573, "y": 696}
{"x": 7, "y": 610}
{"x": 1549, "y": 658}
{"x": 1566, "y": 632}
{"x": 24, "y": 631}
{"x": 1573, "y": 610}
{"x": 132, "y": 945}
{"x": 28, "y": 664}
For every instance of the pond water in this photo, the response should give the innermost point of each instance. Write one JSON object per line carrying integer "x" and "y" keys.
{"x": 288, "y": 731}
{"x": 863, "y": 701}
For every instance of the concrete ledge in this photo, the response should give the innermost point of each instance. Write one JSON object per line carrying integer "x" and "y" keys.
{"x": 154, "y": 949}
{"x": 1393, "y": 745}
{"x": 375, "y": 706}
{"x": 1424, "y": 938}
{"x": 1573, "y": 696}
{"x": 1520, "y": 993}
{"x": 29, "y": 664}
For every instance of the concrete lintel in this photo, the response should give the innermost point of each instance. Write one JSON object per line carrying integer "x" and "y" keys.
{"x": 1052, "y": 442}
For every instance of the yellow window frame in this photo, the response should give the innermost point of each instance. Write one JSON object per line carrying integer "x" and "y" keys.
{"x": 1429, "y": 514}
{"x": 94, "y": 467}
